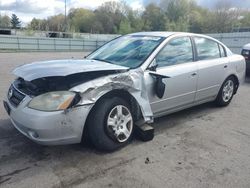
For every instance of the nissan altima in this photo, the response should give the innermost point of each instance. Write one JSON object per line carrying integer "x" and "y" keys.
{"x": 129, "y": 81}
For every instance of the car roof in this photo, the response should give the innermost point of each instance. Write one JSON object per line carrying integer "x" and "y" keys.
{"x": 246, "y": 47}
{"x": 167, "y": 34}
{"x": 155, "y": 33}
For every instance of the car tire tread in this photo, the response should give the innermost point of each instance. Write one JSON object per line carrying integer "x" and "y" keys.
{"x": 97, "y": 121}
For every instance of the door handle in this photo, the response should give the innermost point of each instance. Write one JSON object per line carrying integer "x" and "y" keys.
{"x": 194, "y": 74}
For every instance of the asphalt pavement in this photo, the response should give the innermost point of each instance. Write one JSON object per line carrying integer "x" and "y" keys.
{"x": 204, "y": 146}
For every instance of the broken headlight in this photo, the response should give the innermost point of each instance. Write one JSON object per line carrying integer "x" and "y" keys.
{"x": 53, "y": 101}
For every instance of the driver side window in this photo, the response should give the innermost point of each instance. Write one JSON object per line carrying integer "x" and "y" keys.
{"x": 177, "y": 51}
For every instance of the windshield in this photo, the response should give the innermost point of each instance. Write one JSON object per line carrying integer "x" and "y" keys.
{"x": 129, "y": 51}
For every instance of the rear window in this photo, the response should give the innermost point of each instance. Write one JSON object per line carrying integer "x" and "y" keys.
{"x": 206, "y": 48}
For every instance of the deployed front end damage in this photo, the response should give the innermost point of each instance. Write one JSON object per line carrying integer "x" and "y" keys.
{"x": 66, "y": 126}
{"x": 93, "y": 85}
{"x": 131, "y": 81}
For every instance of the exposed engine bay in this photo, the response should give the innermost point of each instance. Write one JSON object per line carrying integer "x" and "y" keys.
{"x": 57, "y": 83}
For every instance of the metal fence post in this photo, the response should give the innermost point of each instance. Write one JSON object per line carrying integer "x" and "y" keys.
{"x": 18, "y": 44}
{"x": 55, "y": 44}
{"x": 38, "y": 46}
{"x": 70, "y": 45}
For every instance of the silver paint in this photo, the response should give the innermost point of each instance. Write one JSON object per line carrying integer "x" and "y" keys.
{"x": 189, "y": 84}
{"x": 36, "y": 70}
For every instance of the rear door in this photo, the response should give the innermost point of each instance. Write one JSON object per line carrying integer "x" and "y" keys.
{"x": 212, "y": 67}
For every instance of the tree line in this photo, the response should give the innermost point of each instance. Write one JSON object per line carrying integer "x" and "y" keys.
{"x": 7, "y": 22}
{"x": 167, "y": 15}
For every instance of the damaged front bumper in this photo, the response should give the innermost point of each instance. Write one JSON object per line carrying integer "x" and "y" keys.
{"x": 67, "y": 126}
{"x": 48, "y": 128}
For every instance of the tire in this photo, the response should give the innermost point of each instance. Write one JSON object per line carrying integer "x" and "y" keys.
{"x": 226, "y": 92}
{"x": 110, "y": 136}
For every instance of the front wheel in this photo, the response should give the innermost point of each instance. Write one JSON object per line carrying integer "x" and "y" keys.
{"x": 110, "y": 124}
{"x": 226, "y": 92}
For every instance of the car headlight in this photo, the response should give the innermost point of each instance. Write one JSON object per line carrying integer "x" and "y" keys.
{"x": 52, "y": 101}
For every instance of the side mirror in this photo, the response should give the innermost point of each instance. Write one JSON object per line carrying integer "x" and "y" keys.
{"x": 159, "y": 86}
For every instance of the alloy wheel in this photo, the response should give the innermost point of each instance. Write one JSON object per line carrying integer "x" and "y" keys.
{"x": 228, "y": 90}
{"x": 120, "y": 122}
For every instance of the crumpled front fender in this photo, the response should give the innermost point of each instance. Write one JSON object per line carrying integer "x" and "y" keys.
{"x": 131, "y": 81}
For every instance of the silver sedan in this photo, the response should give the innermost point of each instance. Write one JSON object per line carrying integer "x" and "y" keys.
{"x": 128, "y": 81}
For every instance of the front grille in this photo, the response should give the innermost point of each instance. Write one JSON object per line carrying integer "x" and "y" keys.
{"x": 15, "y": 97}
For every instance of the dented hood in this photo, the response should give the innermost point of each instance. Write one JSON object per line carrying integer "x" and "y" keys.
{"x": 37, "y": 70}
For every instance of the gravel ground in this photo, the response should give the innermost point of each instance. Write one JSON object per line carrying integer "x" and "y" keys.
{"x": 203, "y": 146}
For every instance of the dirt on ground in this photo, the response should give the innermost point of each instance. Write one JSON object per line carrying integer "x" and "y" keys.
{"x": 204, "y": 146}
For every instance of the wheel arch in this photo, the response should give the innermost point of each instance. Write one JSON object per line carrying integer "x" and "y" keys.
{"x": 236, "y": 80}
{"x": 123, "y": 94}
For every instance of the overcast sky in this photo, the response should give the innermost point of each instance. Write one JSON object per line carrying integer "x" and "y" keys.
{"x": 27, "y": 9}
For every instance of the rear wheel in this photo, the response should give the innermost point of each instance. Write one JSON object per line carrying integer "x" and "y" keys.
{"x": 226, "y": 92}
{"x": 110, "y": 124}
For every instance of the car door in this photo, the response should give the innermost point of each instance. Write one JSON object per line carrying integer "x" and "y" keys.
{"x": 174, "y": 61}
{"x": 212, "y": 67}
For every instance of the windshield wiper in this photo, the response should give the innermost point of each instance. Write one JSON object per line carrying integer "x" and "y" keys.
{"x": 97, "y": 59}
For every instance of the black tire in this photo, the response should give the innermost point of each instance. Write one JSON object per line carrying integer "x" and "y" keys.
{"x": 220, "y": 101}
{"x": 97, "y": 129}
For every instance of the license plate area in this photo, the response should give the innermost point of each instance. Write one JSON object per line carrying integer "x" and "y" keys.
{"x": 7, "y": 107}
